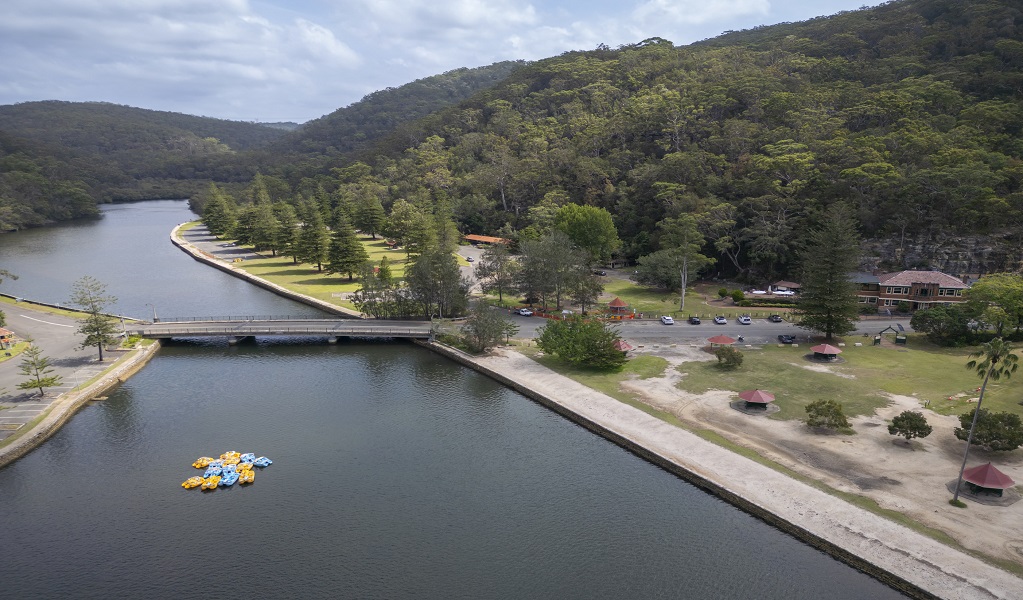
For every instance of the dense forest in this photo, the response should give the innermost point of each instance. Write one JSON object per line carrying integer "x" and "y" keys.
{"x": 118, "y": 153}
{"x": 910, "y": 112}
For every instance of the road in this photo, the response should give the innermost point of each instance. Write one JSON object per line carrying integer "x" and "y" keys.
{"x": 760, "y": 331}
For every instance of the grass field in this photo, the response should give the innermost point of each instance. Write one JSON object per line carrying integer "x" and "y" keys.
{"x": 701, "y": 301}
{"x": 929, "y": 374}
{"x": 305, "y": 279}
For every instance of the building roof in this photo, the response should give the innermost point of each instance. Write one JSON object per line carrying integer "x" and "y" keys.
{"x": 5, "y": 332}
{"x": 908, "y": 278}
{"x": 860, "y": 277}
{"x": 486, "y": 239}
{"x": 787, "y": 284}
{"x": 987, "y": 476}
{"x": 617, "y": 303}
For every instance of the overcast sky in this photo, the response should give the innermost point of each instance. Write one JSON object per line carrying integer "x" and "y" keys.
{"x": 295, "y": 60}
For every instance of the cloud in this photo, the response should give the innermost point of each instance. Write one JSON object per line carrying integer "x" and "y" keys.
{"x": 695, "y": 12}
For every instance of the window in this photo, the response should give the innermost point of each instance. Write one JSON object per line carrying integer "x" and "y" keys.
{"x": 872, "y": 300}
{"x": 959, "y": 292}
{"x": 941, "y": 291}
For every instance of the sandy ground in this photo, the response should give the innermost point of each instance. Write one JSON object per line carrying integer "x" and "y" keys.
{"x": 909, "y": 478}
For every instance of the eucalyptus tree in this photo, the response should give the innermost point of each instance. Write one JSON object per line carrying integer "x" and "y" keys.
{"x": 994, "y": 360}
{"x": 497, "y": 270}
{"x": 679, "y": 258}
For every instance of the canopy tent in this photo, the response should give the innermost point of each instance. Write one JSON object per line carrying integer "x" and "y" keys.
{"x": 622, "y": 345}
{"x": 987, "y": 478}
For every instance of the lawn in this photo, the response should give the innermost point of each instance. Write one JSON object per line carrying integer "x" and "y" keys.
{"x": 858, "y": 383}
{"x": 305, "y": 279}
{"x": 701, "y": 301}
{"x": 640, "y": 367}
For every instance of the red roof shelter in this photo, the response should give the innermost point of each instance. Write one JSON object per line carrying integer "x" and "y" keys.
{"x": 988, "y": 477}
{"x": 618, "y": 306}
{"x": 486, "y": 239}
{"x": 757, "y": 396}
{"x": 826, "y": 352}
{"x": 723, "y": 340}
{"x": 622, "y": 345}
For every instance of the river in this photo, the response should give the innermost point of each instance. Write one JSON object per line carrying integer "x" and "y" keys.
{"x": 397, "y": 474}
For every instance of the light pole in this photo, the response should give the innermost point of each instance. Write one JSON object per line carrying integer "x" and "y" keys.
{"x": 153, "y": 306}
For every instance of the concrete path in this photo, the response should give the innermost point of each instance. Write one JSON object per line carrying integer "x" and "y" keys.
{"x": 925, "y": 563}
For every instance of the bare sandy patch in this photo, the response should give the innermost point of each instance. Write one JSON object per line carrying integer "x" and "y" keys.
{"x": 906, "y": 477}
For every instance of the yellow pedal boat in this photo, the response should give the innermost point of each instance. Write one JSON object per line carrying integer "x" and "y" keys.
{"x": 246, "y": 476}
{"x": 230, "y": 454}
{"x": 202, "y": 462}
{"x": 192, "y": 482}
{"x": 244, "y": 467}
{"x": 211, "y": 483}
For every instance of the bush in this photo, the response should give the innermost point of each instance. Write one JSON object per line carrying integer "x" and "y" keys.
{"x": 728, "y": 357}
{"x": 910, "y": 424}
{"x": 738, "y": 296}
{"x": 1000, "y": 432}
{"x": 723, "y": 293}
{"x": 826, "y": 413}
{"x": 585, "y": 342}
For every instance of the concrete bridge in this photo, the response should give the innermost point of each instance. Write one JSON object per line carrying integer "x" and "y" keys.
{"x": 238, "y": 328}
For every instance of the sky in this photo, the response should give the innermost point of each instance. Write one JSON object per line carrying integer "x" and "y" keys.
{"x": 296, "y": 60}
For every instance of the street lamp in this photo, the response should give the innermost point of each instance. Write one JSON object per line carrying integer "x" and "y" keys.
{"x": 153, "y": 306}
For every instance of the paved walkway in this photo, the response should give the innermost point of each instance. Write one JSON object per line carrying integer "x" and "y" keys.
{"x": 920, "y": 560}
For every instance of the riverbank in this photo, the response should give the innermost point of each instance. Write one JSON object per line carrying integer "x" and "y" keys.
{"x": 207, "y": 255}
{"x": 65, "y": 405}
{"x": 905, "y": 559}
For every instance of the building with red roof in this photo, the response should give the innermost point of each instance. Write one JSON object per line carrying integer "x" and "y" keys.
{"x": 919, "y": 289}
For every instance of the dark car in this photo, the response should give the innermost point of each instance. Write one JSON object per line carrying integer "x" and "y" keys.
{"x": 694, "y": 320}
{"x": 601, "y": 273}
{"x": 775, "y": 318}
{"x": 786, "y": 339}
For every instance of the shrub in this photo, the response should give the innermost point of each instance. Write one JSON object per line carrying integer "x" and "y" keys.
{"x": 910, "y": 424}
{"x": 1000, "y": 432}
{"x": 723, "y": 293}
{"x": 728, "y": 357}
{"x": 826, "y": 413}
{"x": 738, "y": 296}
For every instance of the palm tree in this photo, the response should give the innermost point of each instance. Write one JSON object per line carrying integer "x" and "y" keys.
{"x": 993, "y": 360}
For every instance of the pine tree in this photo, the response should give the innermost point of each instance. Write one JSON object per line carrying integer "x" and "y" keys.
{"x": 346, "y": 253}
{"x": 98, "y": 329}
{"x": 827, "y": 300}
{"x": 313, "y": 238}
{"x": 37, "y": 367}
{"x": 370, "y": 216}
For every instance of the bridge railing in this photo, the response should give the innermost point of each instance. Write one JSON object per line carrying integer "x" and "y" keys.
{"x": 249, "y": 318}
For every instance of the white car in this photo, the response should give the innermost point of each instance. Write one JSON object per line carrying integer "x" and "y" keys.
{"x": 745, "y": 320}
{"x": 719, "y": 320}
{"x": 667, "y": 320}
{"x": 525, "y": 312}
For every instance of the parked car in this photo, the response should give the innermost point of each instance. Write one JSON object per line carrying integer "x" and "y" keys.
{"x": 525, "y": 312}
{"x": 601, "y": 273}
{"x": 786, "y": 339}
{"x": 775, "y": 318}
{"x": 470, "y": 259}
{"x": 667, "y": 320}
{"x": 720, "y": 320}
{"x": 745, "y": 320}
{"x": 694, "y": 320}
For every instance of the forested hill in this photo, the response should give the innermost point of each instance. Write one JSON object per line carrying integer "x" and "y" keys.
{"x": 358, "y": 126}
{"x": 910, "y": 111}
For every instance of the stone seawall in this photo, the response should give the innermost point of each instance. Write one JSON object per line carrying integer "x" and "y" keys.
{"x": 71, "y": 402}
{"x": 908, "y": 561}
{"x": 209, "y": 259}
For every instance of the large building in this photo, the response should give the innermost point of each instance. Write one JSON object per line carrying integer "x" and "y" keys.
{"x": 920, "y": 289}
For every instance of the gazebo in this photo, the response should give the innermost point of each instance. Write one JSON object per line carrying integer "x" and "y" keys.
{"x": 755, "y": 402}
{"x": 721, "y": 340}
{"x": 759, "y": 397}
{"x": 986, "y": 479}
{"x": 618, "y": 307}
{"x": 825, "y": 352}
{"x": 622, "y": 346}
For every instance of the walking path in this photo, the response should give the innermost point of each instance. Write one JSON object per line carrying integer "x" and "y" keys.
{"x": 859, "y": 537}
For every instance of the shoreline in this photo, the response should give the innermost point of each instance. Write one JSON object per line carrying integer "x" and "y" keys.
{"x": 69, "y": 403}
{"x": 907, "y": 561}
